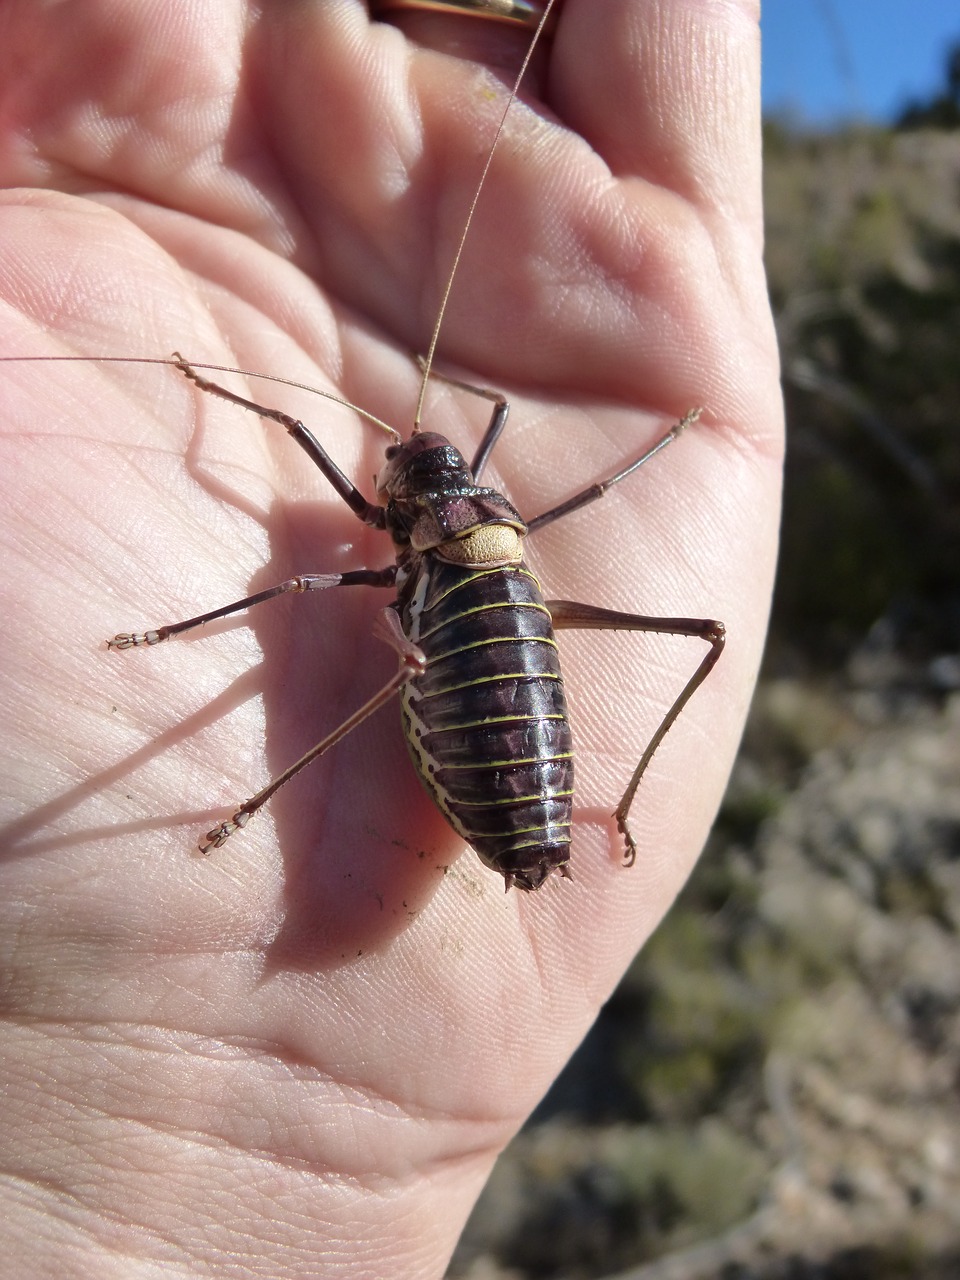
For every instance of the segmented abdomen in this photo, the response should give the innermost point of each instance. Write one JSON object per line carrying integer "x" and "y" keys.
{"x": 487, "y": 721}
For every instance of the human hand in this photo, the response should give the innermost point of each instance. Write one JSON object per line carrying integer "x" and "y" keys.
{"x": 301, "y": 1056}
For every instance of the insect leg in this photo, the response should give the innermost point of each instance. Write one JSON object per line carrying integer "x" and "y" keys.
{"x": 368, "y": 512}
{"x": 303, "y": 582}
{"x": 595, "y": 491}
{"x": 498, "y": 419}
{"x": 412, "y": 663}
{"x": 567, "y": 614}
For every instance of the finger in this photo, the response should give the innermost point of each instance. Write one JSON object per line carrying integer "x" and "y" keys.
{"x": 669, "y": 91}
{"x": 385, "y": 168}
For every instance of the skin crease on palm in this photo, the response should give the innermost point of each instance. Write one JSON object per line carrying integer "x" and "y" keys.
{"x": 301, "y": 1056}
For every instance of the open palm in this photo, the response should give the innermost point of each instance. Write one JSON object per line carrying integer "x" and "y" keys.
{"x": 301, "y": 1056}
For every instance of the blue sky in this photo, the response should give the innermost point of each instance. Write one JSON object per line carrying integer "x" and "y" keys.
{"x": 826, "y": 60}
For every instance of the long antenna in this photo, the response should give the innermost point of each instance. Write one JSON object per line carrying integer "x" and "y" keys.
{"x": 431, "y": 350}
{"x": 178, "y": 362}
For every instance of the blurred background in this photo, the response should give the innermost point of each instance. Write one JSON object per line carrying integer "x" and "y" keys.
{"x": 773, "y": 1093}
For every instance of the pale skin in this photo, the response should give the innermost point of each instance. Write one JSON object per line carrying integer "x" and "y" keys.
{"x": 300, "y": 1056}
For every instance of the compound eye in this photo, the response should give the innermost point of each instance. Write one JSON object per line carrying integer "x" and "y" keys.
{"x": 391, "y": 451}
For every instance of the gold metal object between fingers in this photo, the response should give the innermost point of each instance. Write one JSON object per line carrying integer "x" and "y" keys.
{"x": 518, "y": 13}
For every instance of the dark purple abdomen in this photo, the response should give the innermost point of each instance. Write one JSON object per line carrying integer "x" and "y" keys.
{"x": 487, "y": 721}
